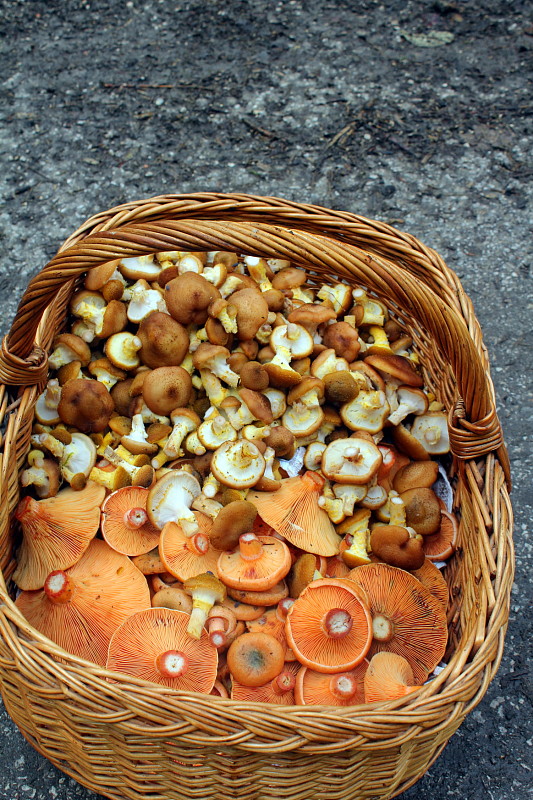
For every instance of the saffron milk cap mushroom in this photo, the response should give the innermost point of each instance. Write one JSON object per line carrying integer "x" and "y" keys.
{"x": 388, "y": 677}
{"x": 125, "y": 524}
{"x": 256, "y": 565}
{"x": 255, "y": 658}
{"x": 322, "y": 689}
{"x": 186, "y": 556}
{"x": 154, "y": 645}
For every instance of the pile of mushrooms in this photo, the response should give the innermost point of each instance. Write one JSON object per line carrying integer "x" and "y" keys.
{"x": 235, "y": 468}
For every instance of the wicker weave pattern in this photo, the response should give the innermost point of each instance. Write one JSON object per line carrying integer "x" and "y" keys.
{"x": 131, "y": 739}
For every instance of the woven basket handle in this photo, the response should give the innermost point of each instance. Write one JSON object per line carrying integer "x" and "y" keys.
{"x": 474, "y": 426}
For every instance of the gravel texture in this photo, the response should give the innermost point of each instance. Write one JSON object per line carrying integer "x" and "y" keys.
{"x": 337, "y": 103}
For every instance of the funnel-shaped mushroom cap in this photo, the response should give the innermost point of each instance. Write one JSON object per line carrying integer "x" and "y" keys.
{"x": 293, "y": 512}
{"x": 186, "y": 556}
{"x": 406, "y": 618}
{"x": 329, "y": 626}
{"x": 340, "y": 689}
{"x": 81, "y": 608}
{"x": 258, "y": 563}
{"x": 279, "y": 691}
{"x": 431, "y": 577}
{"x": 440, "y": 545}
{"x": 154, "y": 645}
{"x": 255, "y": 658}
{"x": 388, "y": 677}
{"x": 57, "y": 531}
{"x": 125, "y": 524}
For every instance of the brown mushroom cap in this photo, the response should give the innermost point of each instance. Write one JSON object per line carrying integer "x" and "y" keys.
{"x": 340, "y": 387}
{"x": 397, "y": 366}
{"x": 258, "y": 404}
{"x": 344, "y": 339}
{"x": 86, "y": 405}
{"x": 165, "y": 342}
{"x": 166, "y": 388}
{"x": 414, "y": 475}
{"x": 422, "y": 510}
{"x": 254, "y": 376}
{"x": 282, "y": 441}
{"x": 188, "y": 296}
{"x": 231, "y": 521}
{"x": 289, "y": 278}
{"x": 252, "y": 312}
{"x": 393, "y": 545}
{"x": 311, "y": 315}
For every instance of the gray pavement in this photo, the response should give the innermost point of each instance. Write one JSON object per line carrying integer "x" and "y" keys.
{"x": 416, "y": 113}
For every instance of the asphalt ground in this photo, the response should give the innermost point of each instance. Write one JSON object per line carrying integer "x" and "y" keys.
{"x": 415, "y": 113}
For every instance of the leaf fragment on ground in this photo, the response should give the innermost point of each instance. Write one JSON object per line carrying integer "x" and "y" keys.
{"x": 429, "y": 39}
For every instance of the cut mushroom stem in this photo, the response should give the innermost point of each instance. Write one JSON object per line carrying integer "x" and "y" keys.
{"x": 250, "y": 547}
{"x": 284, "y": 682}
{"x": 58, "y": 587}
{"x": 337, "y": 623}
{"x": 172, "y": 664}
{"x": 135, "y": 518}
{"x": 343, "y": 686}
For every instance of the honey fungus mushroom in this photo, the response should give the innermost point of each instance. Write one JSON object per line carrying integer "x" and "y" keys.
{"x": 86, "y": 405}
{"x": 165, "y": 342}
{"x": 188, "y": 297}
{"x": 166, "y": 388}
{"x": 353, "y": 460}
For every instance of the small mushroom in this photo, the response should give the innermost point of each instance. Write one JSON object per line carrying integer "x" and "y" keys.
{"x": 214, "y": 358}
{"x": 439, "y": 546}
{"x": 165, "y": 342}
{"x": 343, "y": 338}
{"x": 186, "y": 556}
{"x": 397, "y": 367}
{"x": 166, "y": 388}
{"x": 122, "y": 349}
{"x": 205, "y": 590}
{"x": 238, "y": 464}
{"x": 234, "y": 519}
{"x": 353, "y": 460}
{"x": 278, "y": 691}
{"x": 43, "y": 475}
{"x": 422, "y": 510}
{"x": 170, "y": 500}
{"x": 68, "y": 348}
{"x": 410, "y": 401}
{"x": 396, "y": 546}
{"x": 366, "y": 412}
{"x": 431, "y": 430}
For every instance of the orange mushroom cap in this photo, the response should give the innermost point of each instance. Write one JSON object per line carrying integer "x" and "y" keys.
{"x": 125, "y": 524}
{"x": 293, "y": 511}
{"x": 388, "y": 677}
{"x": 183, "y": 556}
{"x": 272, "y": 621}
{"x": 255, "y": 658}
{"x": 432, "y": 578}
{"x": 329, "y": 627}
{"x": 258, "y": 563}
{"x": 279, "y": 691}
{"x": 338, "y": 689}
{"x": 440, "y": 545}
{"x": 154, "y": 645}
{"x": 406, "y": 618}
{"x": 80, "y": 608}
{"x": 57, "y": 531}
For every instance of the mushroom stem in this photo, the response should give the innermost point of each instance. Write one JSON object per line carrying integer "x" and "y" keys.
{"x": 337, "y": 623}
{"x": 135, "y": 518}
{"x": 284, "y": 682}
{"x": 58, "y": 587}
{"x": 343, "y": 686}
{"x": 382, "y": 628}
{"x": 172, "y": 664}
{"x": 198, "y": 544}
{"x": 250, "y": 547}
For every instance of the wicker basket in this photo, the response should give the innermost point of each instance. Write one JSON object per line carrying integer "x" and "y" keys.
{"x": 131, "y": 739}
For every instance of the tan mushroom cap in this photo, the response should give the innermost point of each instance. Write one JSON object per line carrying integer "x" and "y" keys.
{"x": 344, "y": 339}
{"x": 398, "y": 367}
{"x": 354, "y": 460}
{"x": 252, "y": 312}
{"x": 154, "y": 645}
{"x": 188, "y": 297}
{"x": 406, "y": 618}
{"x": 394, "y": 545}
{"x": 422, "y": 509}
{"x": 232, "y": 520}
{"x": 415, "y": 474}
{"x": 268, "y": 597}
{"x": 80, "y": 609}
{"x": 56, "y": 532}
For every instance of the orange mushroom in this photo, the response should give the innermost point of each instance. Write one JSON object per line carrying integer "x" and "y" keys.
{"x": 80, "y": 608}
{"x": 432, "y": 578}
{"x": 273, "y": 621}
{"x": 154, "y": 645}
{"x": 339, "y": 689}
{"x": 293, "y": 511}
{"x": 56, "y": 532}
{"x": 279, "y": 691}
{"x": 406, "y": 618}
{"x": 255, "y": 659}
{"x": 125, "y": 524}
{"x": 329, "y": 627}
{"x": 258, "y": 564}
{"x": 441, "y": 545}
{"x": 269, "y": 597}
{"x": 388, "y": 677}
{"x": 185, "y": 556}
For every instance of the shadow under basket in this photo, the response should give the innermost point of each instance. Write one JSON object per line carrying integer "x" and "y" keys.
{"x": 132, "y": 739}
